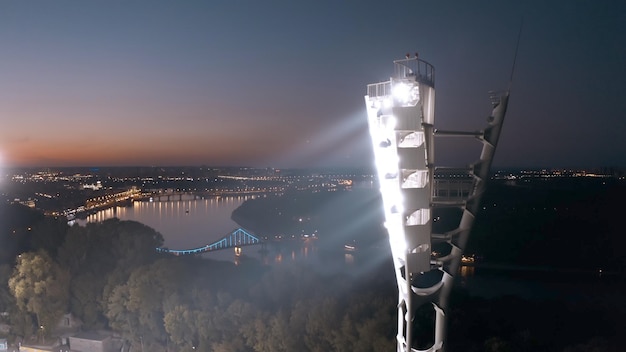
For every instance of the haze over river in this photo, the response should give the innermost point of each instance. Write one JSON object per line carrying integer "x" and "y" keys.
{"x": 191, "y": 223}
{"x": 186, "y": 223}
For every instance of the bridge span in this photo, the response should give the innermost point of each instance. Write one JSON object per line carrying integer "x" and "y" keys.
{"x": 237, "y": 238}
{"x": 172, "y": 195}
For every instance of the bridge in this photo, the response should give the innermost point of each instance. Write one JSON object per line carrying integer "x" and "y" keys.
{"x": 172, "y": 195}
{"x": 237, "y": 238}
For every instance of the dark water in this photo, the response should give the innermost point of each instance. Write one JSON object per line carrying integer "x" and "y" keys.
{"x": 572, "y": 286}
{"x": 192, "y": 223}
{"x": 184, "y": 224}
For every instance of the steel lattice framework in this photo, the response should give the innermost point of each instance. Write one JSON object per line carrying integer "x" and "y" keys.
{"x": 401, "y": 123}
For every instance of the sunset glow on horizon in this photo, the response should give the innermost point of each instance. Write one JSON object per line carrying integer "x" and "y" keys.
{"x": 267, "y": 85}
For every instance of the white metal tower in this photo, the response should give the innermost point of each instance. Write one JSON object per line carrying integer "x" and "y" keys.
{"x": 401, "y": 123}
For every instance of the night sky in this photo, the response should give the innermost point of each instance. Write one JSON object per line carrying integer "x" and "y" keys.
{"x": 281, "y": 83}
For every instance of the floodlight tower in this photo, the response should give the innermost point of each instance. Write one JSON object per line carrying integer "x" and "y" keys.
{"x": 401, "y": 123}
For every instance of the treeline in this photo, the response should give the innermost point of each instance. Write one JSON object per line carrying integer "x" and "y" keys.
{"x": 109, "y": 276}
{"x": 567, "y": 223}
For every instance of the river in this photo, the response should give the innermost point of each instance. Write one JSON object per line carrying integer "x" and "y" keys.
{"x": 185, "y": 223}
{"x": 189, "y": 223}
{"x": 192, "y": 223}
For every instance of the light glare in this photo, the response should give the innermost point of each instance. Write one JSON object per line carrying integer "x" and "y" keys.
{"x": 405, "y": 93}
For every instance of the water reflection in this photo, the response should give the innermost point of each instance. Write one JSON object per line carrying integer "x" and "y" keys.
{"x": 184, "y": 223}
{"x": 466, "y": 271}
{"x": 191, "y": 223}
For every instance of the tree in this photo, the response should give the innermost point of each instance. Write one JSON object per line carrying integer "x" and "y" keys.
{"x": 132, "y": 245}
{"x": 229, "y": 326}
{"x": 40, "y": 287}
{"x": 85, "y": 296}
{"x": 323, "y": 319}
{"x": 16, "y": 222}
{"x": 22, "y": 323}
{"x": 86, "y": 254}
{"x": 148, "y": 287}
{"x": 120, "y": 317}
{"x": 180, "y": 324}
{"x": 497, "y": 344}
{"x": 136, "y": 308}
{"x": 48, "y": 234}
{"x": 6, "y": 299}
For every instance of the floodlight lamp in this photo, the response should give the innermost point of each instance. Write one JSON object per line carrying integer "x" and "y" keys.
{"x": 401, "y": 91}
{"x": 388, "y": 164}
{"x": 386, "y": 143}
{"x": 391, "y": 175}
{"x": 397, "y": 209}
{"x": 388, "y": 122}
{"x": 396, "y": 236}
{"x": 393, "y": 227}
{"x": 405, "y": 93}
{"x": 396, "y": 201}
{"x": 397, "y": 241}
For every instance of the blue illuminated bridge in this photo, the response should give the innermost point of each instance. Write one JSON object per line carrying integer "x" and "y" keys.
{"x": 237, "y": 238}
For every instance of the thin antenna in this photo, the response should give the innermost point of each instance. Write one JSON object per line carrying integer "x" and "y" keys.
{"x": 519, "y": 36}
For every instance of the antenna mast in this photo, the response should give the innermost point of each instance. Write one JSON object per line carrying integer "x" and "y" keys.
{"x": 519, "y": 37}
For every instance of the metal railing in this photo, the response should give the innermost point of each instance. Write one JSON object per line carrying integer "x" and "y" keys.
{"x": 380, "y": 89}
{"x": 414, "y": 67}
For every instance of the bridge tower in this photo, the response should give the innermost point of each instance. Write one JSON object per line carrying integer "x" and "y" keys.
{"x": 401, "y": 124}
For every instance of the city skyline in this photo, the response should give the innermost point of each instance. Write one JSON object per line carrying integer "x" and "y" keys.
{"x": 281, "y": 84}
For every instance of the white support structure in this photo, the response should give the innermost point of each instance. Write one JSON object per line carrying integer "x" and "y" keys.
{"x": 401, "y": 123}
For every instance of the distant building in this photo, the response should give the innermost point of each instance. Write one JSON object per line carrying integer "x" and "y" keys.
{"x": 50, "y": 347}
{"x": 29, "y": 203}
{"x": 94, "y": 342}
{"x": 80, "y": 342}
{"x": 92, "y": 186}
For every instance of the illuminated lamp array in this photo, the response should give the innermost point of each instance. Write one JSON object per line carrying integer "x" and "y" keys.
{"x": 401, "y": 124}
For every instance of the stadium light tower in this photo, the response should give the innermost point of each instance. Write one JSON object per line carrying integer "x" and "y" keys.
{"x": 401, "y": 124}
